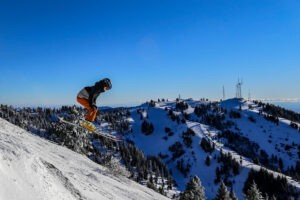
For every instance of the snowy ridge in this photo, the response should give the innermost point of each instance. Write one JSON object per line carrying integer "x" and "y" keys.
{"x": 33, "y": 168}
{"x": 201, "y": 131}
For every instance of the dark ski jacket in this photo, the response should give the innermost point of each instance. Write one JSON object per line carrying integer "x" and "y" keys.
{"x": 91, "y": 93}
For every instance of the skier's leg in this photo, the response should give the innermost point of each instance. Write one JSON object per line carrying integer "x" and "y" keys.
{"x": 90, "y": 116}
{"x": 86, "y": 104}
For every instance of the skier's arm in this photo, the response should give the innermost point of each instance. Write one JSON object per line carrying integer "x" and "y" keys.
{"x": 93, "y": 98}
{"x": 97, "y": 89}
{"x": 92, "y": 101}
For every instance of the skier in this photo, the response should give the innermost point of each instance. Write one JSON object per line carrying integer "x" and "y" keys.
{"x": 88, "y": 96}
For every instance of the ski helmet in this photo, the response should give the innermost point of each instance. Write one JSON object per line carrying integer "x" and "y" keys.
{"x": 107, "y": 83}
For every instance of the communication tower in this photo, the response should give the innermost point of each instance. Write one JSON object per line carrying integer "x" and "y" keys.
{"x": 239, "y": 89}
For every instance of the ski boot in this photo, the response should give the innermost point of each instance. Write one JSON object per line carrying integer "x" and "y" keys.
{"x": 88, "y": 125}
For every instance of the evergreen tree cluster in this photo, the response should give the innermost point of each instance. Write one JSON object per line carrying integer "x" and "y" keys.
{"x": 207, "y": 146}
{"x": 253, "y": 193}
{"x": 161, "y": 100}
{"x": 193, "y": 190}
{"x": 169, "y": 131}
{"x": 264, "y": 158}
{"x": 181, "y": 105}
{"x": 294, "y": 172}
{"x": 177, "y": 150}
{"x": 187, "y": 137}
{"x": 212, "y": 107}
{"x": 278, "y": 111}
{"x": 173, "y": 116}
{"x": 224, "y": 194}
{"x": 214, "y": 120}
{"x": 272, "y": 118}
{"x": 272, "y": 162}
{"x": 183, "y": 166}
{"x": 29, "y": 118}
{"x": 202, "y": 109}
{"x": 230, "y": 167}
{"x": 247, "y": 148}
{"x": 44, "y": 122}
{"x": 147, "y": 128}
{"x": 117, "y": 118}
{"x": 152, "y": 103}
{"x": 146, "y": 169}
{"x": 235, "y": 114}
{"x": 242, "y": 145}
{"x": 270, "y": 185}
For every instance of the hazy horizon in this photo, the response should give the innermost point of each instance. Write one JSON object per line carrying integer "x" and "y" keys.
{"x": 293, "y": 104}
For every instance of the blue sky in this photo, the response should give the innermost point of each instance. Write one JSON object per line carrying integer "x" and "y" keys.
{"x": 49, "y": 50}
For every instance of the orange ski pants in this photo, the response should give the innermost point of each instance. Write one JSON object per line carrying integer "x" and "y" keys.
{"x": 92, "y": 113}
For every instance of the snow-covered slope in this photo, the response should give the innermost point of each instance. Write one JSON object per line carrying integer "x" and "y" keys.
{"x": 271, "y": 138}
{"x": 159, "y": 142}
{"x": 33, "y": 168}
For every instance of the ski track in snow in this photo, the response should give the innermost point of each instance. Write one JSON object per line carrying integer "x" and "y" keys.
{"x": 33, "y": 168}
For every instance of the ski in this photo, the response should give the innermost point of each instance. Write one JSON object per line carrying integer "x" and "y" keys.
{"x": 97, "y": 132}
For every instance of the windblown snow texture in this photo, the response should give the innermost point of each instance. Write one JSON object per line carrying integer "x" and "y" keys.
{"x": 33, "y": 168}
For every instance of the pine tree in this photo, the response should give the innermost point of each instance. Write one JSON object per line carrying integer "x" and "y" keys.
{"x": 253, "y": 193}
{"x": 280, "y": 162}
{"x": 273, "y": 198}
{"x": 223, "y": 193}
{"x": 207, "y": 161}
{"x": 170, "y": 181}
{"x": 218, "y": 175}
{"x": 232, "y": 195}
{"x": 194, "y": 190}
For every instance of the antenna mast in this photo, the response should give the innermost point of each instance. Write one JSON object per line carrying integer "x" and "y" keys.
{"x": 249, "y": 95}
{"x": 239, "y": 89}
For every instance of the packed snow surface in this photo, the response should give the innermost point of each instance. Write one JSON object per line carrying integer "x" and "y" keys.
{"x": 33, "y": 168}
